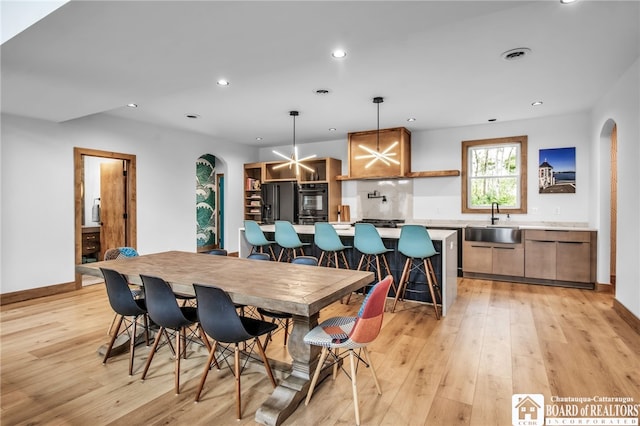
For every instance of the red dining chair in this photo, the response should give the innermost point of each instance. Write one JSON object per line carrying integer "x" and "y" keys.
{"x": 351, "y": 333}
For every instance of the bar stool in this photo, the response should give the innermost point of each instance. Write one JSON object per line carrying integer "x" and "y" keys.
{"x": 415, "y": 243}
{"x": 256, "y": 238}
{"x": 326, "y": 239}
{"x": 367, "y": 241}
{"x": 287, "y": 238}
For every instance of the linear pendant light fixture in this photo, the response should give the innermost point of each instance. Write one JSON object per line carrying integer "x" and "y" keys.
{"x": 294, "y": 160}
{"x": 384, "y": 156}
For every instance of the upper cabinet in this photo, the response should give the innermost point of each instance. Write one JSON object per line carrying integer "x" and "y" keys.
{"x": 383, "y": 153}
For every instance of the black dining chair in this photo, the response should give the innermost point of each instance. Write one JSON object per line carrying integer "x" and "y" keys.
{"x": 282, "y": 319}
{"x": 220, "y": 320}
{"x": 127, "y": 308}
{"x": 164, "y": 311}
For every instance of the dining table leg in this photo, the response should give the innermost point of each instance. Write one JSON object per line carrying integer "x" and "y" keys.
{"x": 293, "y": 389}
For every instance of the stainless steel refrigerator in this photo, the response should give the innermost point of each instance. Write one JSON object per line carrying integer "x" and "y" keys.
{"x": 280, "y": 202}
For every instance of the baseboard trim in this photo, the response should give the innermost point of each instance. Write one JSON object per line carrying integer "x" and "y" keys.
{"x": 627, "y": 315}
{"x": 604, "y": 288}
{"x": 34, "y": 293}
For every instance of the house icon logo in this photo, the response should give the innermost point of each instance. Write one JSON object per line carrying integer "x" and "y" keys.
{"x": 527, "y": 410}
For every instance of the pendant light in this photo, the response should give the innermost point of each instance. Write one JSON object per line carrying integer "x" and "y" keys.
{"x": 384, "y": 156}
{"x": 294, "y": 160}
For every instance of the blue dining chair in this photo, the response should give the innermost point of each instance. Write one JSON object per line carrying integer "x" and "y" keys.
{"x": 327, "y": 239}
{"x": 220, "y": 320}
{"x": 415, "y": 243}
{"x": 216, "y": 252}
{"x": 254, "y": 236}
{"x": 119, "y": 253}
{"x": 288, "y": 239}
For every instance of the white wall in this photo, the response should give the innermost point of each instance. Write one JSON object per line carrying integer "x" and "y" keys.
{"x": 37, "y": 190}
{"x": 621, "y": 104}
{"x": 440, "y": 198}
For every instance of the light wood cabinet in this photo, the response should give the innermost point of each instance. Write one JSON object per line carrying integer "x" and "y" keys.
{"x": 565, "y": 256}
{"x": 493, "y": 258}
{"x": 325, "y": 170}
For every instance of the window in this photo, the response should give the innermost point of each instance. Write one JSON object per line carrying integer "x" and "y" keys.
{"x": 494, "y": 170}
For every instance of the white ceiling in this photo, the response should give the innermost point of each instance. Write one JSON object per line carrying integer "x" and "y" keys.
{"x": 437, "y": 61}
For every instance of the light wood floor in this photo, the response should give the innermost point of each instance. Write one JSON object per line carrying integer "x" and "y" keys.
{"x": 498, "y": 339}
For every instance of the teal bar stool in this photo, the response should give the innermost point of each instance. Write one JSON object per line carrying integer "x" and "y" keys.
{"x": 367, "y": 241}
{"x": 415, "y": 243}
{"x": 287, "y": 238}
{"x": 327, "y": 239}
{"x": 256, "y": 238}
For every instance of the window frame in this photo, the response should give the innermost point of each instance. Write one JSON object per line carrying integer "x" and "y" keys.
{"x": 511, "y": 140}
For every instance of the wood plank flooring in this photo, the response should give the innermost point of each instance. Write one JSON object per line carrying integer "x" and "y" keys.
{"x": 497, "y": 340}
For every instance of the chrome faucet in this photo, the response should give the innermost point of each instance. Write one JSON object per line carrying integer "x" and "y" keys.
{"x": 493, "y": 217}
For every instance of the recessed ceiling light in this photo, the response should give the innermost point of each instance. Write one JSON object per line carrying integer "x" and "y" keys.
{"x": 222, "y": 82}
{"x": 332, "y": 129}
{"x": 492, "y": 119}
{"x": 322, "y": 92}
{"x": 536, "y": 103}
{"x": 410, "y": 120}
{"x": 567, "y": 1}
{"x": 515, "y": 54}
{"x": 132, "y": 105}
{"x": 258, "y": 138}
{"x": 339, "y": 53}
{"x": 192, "y": 116}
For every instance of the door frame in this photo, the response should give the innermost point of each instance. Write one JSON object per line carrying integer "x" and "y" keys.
{"x": 131, "y": 220}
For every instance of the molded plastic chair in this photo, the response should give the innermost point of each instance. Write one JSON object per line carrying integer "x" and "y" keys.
{"x": 216, "y": 252}
{"x": 367, "y": 241}
{"x": 259, "y": 256}
{"x": 351, "y": 333}
{"x": 220, "y": 320}
{"x": 123, "y": 303}
{"x": 164, "y": 311}
{"x": 122, "y": 253}
{"x": 287, "y": 238}
{"x": 282, "y": 318}
{"x": 254, "y": 235}
{"x": 326, "y": 239}
{"x": 415, "y": 243}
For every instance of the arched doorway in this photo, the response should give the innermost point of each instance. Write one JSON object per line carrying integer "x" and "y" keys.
{"x": 208, "y": 204}
{"x": 609, "y": 201}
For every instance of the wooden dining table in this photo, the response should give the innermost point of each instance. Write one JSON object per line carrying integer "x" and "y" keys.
{"x": 299, "y": 290}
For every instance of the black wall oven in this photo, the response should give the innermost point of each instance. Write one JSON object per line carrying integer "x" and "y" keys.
{"x": 313, "y": 203}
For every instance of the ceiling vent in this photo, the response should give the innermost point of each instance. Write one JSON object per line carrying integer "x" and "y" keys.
{"x": 516, "y": 54}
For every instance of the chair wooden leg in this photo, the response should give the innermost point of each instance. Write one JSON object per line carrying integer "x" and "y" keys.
{"x": 265, "y": 361}
{"x": 112, "y": 340}
{"x": 431, "y": 290}
{"x": 434, "y": 278}
{"x": 344, "y": 259}
{"x": 113, "y": 321}
{"x": 179, "y": 349}
{"x": 321, "y": 258}
{"x": 153, "y": 351}
{"x": 316, "y": 374}
{"x": 402, "y": 285}
{"x": 378, "y": 268}
{"x": 335, "y": 364}
{"x": 236, "y": 368}
{"x": 205, "y": 373}
{"x": 273, "y": 255}
{"x": 386, "y": 265}
{"x": 373, "y": 371}
{"x": 354, "y": 386}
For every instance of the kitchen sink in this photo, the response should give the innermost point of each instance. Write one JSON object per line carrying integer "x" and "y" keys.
{"x": 493, "y": 234}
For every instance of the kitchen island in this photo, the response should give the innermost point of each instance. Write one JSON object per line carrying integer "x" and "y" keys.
{"x": 444, "y": 263}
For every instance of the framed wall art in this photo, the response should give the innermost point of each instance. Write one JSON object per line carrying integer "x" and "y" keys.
{"x": 557, "y": 171}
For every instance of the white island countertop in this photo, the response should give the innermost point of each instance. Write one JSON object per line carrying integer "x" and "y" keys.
{"x": 392, "y": 233}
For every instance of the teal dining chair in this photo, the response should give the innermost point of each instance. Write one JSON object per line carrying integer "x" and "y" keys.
{"x": 288, "y": 239}
{"x": 254, "y": 235}
{"x": 327, "y": 239}
{"x": 415, "y": 243}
